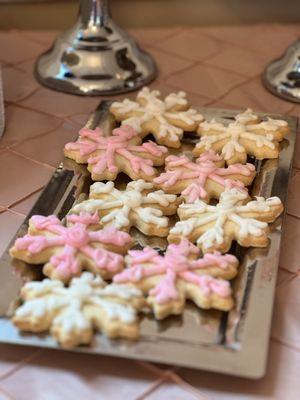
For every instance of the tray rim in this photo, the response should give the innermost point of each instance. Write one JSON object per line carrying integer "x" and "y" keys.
{"x": 231, "y": 364}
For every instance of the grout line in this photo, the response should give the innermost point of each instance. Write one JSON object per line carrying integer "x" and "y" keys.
{"x": 33, "y": 40}
{"x": 181, "y": 382}
{"x": 15, "y": 212}
{"x": 30, "y": 159}
{"x": 176, "y": 32}
{"x": 170, "y": 53}
{"x": 7, "y": 395}
{"x": 24, "y": 107}
{"x": 150, "y": 367}
{"x": 230, "y": 90}
{"x": 11, "y": 147}
{"x": 288, "y": 280}
{"x": 285, "y": 343}
{"x": 28, "y": 95}
{"x": 292, "y": 215}
{"x": 153, "y": 386}
{"x": 23, "y": 198}
{"x": 20, "y": 364}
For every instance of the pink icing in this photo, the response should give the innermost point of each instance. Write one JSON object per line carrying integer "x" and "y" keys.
{"x": 90, "y": 143}
{"x": 180, "y": 168}
{"x": 175, "y": 264}
{"x": 74, "y": 240}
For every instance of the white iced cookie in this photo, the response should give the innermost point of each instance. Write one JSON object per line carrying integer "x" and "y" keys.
{"x": 72, "y": 313}
{"x": 246, "y": 135}
{"x": 214, "y": 227}
{"x": 166, "y": 119}
{"x": 138, "y": 205}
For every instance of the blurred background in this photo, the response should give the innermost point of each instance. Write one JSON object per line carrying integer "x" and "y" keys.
{"x": 41, "y": 14}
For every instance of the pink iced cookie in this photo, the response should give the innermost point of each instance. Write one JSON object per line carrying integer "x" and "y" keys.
{"x": 66, "y": 251}
{"x": 203, "y": 179}
{"x": 179, "y": 275}
{"x": 123, "y": 151}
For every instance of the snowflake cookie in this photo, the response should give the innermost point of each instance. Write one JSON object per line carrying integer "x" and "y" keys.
{"x": 137, "y": 206}
{"x": 123, "y": 151}
{"x": 203, "y": 179}
{"x": 166, "y": 119}
{"x": 66, "y": 251}
{"x": 72, "y": 313}
{"x": 247, "y": 135}
{"x": 179, "y": 275}
{"x": 214, "y": 227}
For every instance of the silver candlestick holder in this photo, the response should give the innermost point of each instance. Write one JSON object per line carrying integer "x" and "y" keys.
{"x": 95, "y": 56}
{"x": 282, "y": 76}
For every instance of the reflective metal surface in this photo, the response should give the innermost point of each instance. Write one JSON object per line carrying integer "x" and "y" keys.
{"x": 282, "y": 76}
{"x": 95, "y": 56}
{"x": 233, "y": 343}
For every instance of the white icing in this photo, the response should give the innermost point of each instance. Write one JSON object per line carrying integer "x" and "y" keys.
{"x": 242, "y": 128}
{"x": 246, "y": 117}
{"x": 121, "y": 204}
{"x": 229, "y": 208}
{"x": 149, "y": 107}
{"x": 65, "y": 305}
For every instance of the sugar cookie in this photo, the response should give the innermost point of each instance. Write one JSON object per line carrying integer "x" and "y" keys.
{"x": 66, "y": 251}
{"x": 214, "y": 227}
{"x": 179, "y": 275}
{"x": 166, "y": 119}
{"x": 72, "y": 313}
{"x": 138, "y": 205}
{"x": 203, "y": 179}
{"x": 107, "y": 156}
{"x": 247, "y": 135}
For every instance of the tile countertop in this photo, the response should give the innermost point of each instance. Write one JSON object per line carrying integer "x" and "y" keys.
{"x": 216, "y": 66}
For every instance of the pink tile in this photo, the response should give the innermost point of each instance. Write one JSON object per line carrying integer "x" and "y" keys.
{"x": 283, "y": 276}
{"x": 45, "y": 38}
{"x": 261, "y": 38}
{"x": 221, "y": 104}
{"x": 20, "y": 177}
{"x": 293, "y": 206}
{"x": 26, "y": 205}
{"x": 238, "y": 60}
{"x": 171, "y": 390}
{"x": 153, "y": 35}
{"x": 280, "y": 382}
{"x": 205, "y": 81}
{"x": 5, "y": 395}
{"x": 167, "y": 63}
{"x": 48, "y": 148}
{"x": 22, "y": 124}
{"x": 9, "y": 224}
{"x": 63, "y": 375}
{"x": 80, "y": 119}
{"x": 11, "y": 356}
{"x": 27, "y": 66}
{"x": 15, "y": 48}
{"x": 296, "y": 159}
{"x": 60, "y": 104}
{"x": 17, "y": 84}
{"x": 192, "y": 45}
{"x": 289, "y": 254}
{"x": 287, "y": 312}
{"x": 252, "y": 94}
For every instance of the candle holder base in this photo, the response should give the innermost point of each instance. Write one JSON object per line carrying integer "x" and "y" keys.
{"x": 95, "y": 59}
{"x": 282, "y": 76}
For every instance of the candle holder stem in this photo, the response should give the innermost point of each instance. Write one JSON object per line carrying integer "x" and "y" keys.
{"x": 95, "y": 56}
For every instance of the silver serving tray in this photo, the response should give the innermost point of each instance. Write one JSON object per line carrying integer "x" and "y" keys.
{"x": 233, "y": 343}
